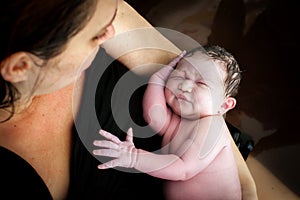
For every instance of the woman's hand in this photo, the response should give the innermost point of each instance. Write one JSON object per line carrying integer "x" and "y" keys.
{"x": 125, "y": 153}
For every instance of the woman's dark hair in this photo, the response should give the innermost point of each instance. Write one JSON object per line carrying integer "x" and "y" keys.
{"x": 40, "y": 27}
{"x": 234, "y": 76}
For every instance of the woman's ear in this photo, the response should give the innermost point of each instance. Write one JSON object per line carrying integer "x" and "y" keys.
{"x": 15, "y": 67}
{"x": 229, "y": 104}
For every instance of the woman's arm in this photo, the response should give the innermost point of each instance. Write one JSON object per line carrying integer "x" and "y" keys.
{"x": 138, "y": 34}
{"x": 247, "y": 182}
{"x": 268, "y": 185}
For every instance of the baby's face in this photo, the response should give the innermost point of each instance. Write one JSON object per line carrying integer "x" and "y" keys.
{"x": 196, "y": 88}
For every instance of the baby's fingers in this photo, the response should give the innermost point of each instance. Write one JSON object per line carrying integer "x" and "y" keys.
{"x": 129, "y": 136}
{"x": 109, "y": 164}
{"x": 107, "y": 152}
{"x": 106, "y": 144}
{"x": 177, "y": 59}
{"x": 109, "y": 136}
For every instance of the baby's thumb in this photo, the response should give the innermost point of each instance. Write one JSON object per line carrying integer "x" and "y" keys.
{"x": 129, "y": 136}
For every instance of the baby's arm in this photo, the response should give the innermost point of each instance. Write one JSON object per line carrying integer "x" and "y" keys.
{"x": 168, "y": 166}
{"x": 180, "y": 166}
{"x": 155, "y": 110}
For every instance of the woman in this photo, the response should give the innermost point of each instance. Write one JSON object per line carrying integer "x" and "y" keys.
{"x": 40, "y": 56}
{"x": 43, "y": 45}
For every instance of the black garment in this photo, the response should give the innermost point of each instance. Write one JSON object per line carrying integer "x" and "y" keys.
{"x": 87, "y": 181}
{"x": 243, "y": 141}
{"x": 18, "y": 180}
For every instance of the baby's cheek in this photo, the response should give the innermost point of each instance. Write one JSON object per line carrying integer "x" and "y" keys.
{"x": 168, "y": 94}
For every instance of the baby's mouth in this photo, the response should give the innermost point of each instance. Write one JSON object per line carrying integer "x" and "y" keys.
{"x": 181, "y": 97}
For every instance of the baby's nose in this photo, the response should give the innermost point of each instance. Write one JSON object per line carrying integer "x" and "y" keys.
{"x": 186, "y": 86}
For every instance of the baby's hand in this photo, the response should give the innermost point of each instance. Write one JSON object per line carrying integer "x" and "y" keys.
{"x": 162, "y": 75}
{"x": 124, "y": 152}
{"x": 174, "y": 62}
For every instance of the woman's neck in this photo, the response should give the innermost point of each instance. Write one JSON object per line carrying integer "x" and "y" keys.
{"x": 41, "y": 134}
{"x": 26, "y": 107}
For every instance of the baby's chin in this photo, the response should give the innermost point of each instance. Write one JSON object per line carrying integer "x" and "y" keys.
{"x": 187, "y": 116}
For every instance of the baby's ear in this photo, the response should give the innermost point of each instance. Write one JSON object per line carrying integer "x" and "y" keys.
{"x": 229, "y": 104}
{"x": 15, "y": 67}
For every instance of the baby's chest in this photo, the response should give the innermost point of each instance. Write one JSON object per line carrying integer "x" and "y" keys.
{"x": 181, "y": 132}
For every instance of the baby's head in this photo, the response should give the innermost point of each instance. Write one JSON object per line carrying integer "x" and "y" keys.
{"x": 224, "y": 59}
{"x": 204, "y": 83}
